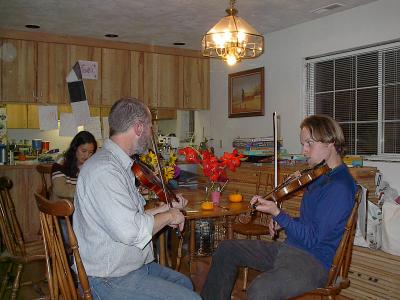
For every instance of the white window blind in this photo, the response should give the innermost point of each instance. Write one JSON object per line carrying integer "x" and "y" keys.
{"x": 361, "y": 90}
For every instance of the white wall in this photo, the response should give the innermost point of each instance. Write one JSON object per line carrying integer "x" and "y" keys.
{"x": 283, "y": 61}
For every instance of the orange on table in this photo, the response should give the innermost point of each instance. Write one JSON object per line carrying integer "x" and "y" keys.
{"x": 207, "y": 205}
{"x": 236, "y": 197}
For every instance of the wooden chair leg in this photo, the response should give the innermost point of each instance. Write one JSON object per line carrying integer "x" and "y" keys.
{"x": 245, "y": 274}
{"x": 4, "y": 283}
{"x": 245, "y": 271}
{"x": 16, "y": 283}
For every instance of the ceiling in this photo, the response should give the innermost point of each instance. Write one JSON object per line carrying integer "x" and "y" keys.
{"x": 157, "y": 22}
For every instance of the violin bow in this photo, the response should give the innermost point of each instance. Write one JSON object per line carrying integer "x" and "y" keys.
{"x": 159, "y": 168}
{"x": 279, "y": 203}
{"x": 169, "y": 201}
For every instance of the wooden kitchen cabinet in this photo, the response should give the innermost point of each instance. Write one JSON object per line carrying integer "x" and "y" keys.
{"x": 137, "y": 67}
{"x": 163, "y": 81}
{"x": 115, "y": 75}
{"x": 163, "y": 114}
{"x": 92, "y": 86}
{"x": 196, "y": 82}
{"x": 53, "y": 68}
{"x": 160, "y": 77}
{"x": 33, "y": 116}
{"x": 17, "y": 116}
{"x": 21, "y": 116}
{"x": 18, "y": 74}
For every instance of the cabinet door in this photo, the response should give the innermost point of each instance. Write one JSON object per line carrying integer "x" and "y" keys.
{"x": 18, "y": 71}
{"x": 163, "y": 82}
{"x": 196, "y": 77}
{"x": 53, "y": 68}
{"x": 17, "y": 116}
{"x": 150, "y": 78}
{"x": 115, "y": 75}
{"x": 137, "y": 65}
{"x": 33, "y": 117}
{"x": 92, "y": 87}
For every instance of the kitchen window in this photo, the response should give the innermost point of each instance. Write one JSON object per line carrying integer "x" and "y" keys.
{"x": 361, "y": 90}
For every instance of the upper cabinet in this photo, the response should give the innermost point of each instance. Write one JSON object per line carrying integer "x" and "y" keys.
{"x": 18, "y": 71}
{"x": 53, "y": 68}
{"x": 137, "y": 66}
{"x": 35, "y": 71}
{"x": 55, "y": 61}
{"x": 115, "y": 75}
{"x": 196, "y": 80}
{"x": 163, "y": 84}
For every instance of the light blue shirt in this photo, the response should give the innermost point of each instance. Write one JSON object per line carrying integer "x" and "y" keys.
{"x": 114, "y": 233}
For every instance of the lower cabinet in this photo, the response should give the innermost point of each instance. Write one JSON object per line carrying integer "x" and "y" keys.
{"x": 26, "y": 181}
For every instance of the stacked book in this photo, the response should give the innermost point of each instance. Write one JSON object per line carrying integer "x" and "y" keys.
{"x": 258, "y": 146}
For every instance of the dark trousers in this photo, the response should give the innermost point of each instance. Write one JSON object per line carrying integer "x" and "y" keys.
{"x": 286, "y": 271}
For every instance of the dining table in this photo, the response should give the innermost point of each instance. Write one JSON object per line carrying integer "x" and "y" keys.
{"x": 224, "y": 210}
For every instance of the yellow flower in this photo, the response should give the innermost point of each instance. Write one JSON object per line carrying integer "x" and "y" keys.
{"x": 168, "y": 173}
{"x": 149, "y": 159}
{"x": 172, "y": 158}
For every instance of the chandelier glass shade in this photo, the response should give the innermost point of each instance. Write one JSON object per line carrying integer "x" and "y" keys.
{"x": 232, "y": 39}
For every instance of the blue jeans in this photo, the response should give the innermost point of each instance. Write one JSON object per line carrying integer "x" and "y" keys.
{"x": 151, "y": 281}
{"x": 286, "y": 271}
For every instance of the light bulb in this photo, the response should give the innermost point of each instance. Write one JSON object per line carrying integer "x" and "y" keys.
{"x": 231, "y": 59}
{"x": 241, "y": 36}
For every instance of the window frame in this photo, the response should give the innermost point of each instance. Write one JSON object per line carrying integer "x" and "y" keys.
{"x": 309, "y": 98}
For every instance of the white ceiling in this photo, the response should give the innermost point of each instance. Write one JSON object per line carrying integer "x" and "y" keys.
{"x": 157, "y": 22}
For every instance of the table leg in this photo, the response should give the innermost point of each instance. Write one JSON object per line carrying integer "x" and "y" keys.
{"x": 229, "y": 229}
{"x": 192, "y": 244}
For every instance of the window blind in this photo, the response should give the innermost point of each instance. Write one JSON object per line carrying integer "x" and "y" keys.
{"x": 360, "y": 90}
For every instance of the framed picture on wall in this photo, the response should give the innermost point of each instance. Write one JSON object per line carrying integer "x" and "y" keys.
{"x": 246, "y": 93}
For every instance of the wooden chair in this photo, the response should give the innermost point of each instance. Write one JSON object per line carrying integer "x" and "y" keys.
{"x": 258, "y": 225}
{"x": 338, "y": 273}
{"x": 45, "y": 173}
{"x": 60, "y": 280}
{"x": 17, "y": 253}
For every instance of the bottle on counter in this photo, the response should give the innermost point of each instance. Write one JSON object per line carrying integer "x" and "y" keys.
{"x": 11, "y": 157}
{"x": 3, "y": 154}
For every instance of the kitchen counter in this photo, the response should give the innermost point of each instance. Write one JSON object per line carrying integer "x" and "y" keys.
{"x": 26, "y": 181}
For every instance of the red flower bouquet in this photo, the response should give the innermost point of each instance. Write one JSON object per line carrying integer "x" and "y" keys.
{"x": 213, "y": 167}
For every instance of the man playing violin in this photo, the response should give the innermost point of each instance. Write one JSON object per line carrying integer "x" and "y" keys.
{"x": 301, "y": 262}
{"x": 114, "y": 231}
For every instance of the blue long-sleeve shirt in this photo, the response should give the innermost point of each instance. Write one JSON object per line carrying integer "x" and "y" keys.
{"x": 326, "y": 205}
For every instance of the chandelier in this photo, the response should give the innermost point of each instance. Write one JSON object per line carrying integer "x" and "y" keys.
{"x": 232, "y": 39}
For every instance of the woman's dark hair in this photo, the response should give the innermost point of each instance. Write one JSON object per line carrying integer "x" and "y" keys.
{"x": 70, "y": 162}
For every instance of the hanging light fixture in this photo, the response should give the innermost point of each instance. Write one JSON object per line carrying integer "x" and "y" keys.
{"x": 232, "y": 39}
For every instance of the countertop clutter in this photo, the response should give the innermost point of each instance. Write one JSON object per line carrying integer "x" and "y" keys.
{"x": 26, "y": 152}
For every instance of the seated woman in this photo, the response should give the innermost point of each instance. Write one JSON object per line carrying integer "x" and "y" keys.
{"x": 65, "y": 174}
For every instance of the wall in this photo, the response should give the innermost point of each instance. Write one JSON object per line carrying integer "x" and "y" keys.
{"x": 283, "y": 61}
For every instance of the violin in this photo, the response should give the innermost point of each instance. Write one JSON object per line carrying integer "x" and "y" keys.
{"x": 294, "y": 182}
{"x": 147, "y": 178}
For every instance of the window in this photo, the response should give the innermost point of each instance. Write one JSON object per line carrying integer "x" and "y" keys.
{"x": 361, "y": 90}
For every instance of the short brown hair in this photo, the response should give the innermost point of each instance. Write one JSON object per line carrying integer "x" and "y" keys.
{"x": 125, "y": 113}
{"x": 324, "y": 129}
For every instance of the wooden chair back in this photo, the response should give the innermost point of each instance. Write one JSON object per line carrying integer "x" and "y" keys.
{"x": 338, "y": 273}
{"x": 9, "y": 226}
{"x": 60, "y": 280}
{"x": 45, "y": 173}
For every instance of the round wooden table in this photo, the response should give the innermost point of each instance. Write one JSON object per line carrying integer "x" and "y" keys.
{"x": 194, "y": 212}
